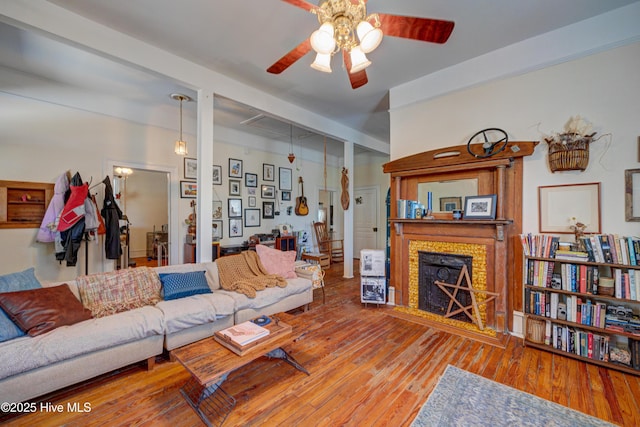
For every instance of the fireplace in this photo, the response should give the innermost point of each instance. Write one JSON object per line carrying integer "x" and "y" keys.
{"x": 443, "y": 267}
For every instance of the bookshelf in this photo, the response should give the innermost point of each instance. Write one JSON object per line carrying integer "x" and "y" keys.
{"x": 567, "y": 309}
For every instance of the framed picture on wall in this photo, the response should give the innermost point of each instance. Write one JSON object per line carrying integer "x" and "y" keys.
{"x": 216, "y": 208}
{"x": 268, "y": 192}
{"x": 216, "y": 230}
{"x": 252, "y": 217}
{"x": 562, "y": 206}
{"x": 190, "y": 168}
{"x": 235, "y": 227}
{"x": 235, "y": 208}
{"x": 286, "y": 196}
{"x": 268, "y": 210}
{"x": 268, "y": 172}
{"x": 250, "y": 180}
{"x": 188, "y": 189}
{"x": 217, "y": 175}
{"x": 234, "y": 187}
{"x": 285, "y": 178}
{"x": 252, "y": 201}
{"x": 235, "y": 168}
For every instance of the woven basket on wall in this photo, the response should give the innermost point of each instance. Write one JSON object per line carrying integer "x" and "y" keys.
{"x": 570, "y": 153}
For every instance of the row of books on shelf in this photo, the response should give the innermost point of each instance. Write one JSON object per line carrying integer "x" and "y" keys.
{"x": 586, "y": 279}
{"x": 571, "y": 308}
{"x": 620, "y": 350}
{"x": 581, "y": 343}
{"x": 612, "y": 249}
{"x": 603, "y": 248}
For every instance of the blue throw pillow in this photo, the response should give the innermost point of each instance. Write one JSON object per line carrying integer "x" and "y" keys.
{"x": 22, "y": 281}
{"x": 180, "y": 285}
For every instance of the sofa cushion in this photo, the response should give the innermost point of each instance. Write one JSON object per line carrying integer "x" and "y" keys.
{"x": 180, "y": 285}
{"x": 195, "y": 310}
{"x": 109, "y": 293}
{"x": 66, "y": 342}
{"x": 37, "y": 311}
{"x": 21, "y": 281}
{"x": 277, "y": 262}
{"x": 269, "y": 296}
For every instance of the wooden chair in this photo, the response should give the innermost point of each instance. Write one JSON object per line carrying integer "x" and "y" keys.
{"x": 333, "y": 247}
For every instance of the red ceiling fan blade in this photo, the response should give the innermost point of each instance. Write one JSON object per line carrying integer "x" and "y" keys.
{"x": 410, "y": 27}
{"x": 301, "y": 4}
{"x": 286, "y": 61}
{"x": 357, "y": 79}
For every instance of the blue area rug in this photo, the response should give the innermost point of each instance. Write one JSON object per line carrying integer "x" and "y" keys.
{"x": 465, "y": 399}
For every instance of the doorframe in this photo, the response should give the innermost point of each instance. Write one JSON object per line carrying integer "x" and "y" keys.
{"x": 172, "y": 189}
{"x": 376, "y": 189}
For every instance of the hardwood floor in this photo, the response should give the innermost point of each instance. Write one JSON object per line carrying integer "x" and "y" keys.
{"x": 367, "y": 369}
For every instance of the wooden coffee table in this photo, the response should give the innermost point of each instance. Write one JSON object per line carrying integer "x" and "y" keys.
{"x": 209, "y": 364}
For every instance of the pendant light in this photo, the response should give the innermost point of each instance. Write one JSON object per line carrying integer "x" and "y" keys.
{"x": 181, "y": 145}
{"x": 291, "y": 156}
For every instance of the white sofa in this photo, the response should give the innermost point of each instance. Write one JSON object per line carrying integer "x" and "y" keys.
{"x": 34, "y": 366}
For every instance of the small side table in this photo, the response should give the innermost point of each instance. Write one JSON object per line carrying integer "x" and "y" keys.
{"x": 318, "y": 258}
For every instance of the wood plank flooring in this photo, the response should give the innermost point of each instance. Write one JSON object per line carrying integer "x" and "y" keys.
{"x": 367, "y": 369}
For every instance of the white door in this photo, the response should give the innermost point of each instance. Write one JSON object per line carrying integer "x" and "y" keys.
{"x": 365, "y": 219}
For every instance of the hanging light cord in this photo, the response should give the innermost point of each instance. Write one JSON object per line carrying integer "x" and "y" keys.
{"x": 181, "y": 99}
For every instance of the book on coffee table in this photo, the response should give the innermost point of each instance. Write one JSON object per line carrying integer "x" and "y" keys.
{"x": 275, "y": 330}
{"x": 244, "y": 333}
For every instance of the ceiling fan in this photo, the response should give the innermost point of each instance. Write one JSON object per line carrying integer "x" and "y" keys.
{"x": 345, "y": 25}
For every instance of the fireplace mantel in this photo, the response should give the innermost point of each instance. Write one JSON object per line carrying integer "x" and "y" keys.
{"x": 497, "y": 239}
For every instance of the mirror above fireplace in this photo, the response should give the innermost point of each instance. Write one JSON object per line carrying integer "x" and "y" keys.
{"x": 447, "y": 195}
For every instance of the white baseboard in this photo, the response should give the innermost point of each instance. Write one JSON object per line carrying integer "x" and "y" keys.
{"x": 518, "y": 324}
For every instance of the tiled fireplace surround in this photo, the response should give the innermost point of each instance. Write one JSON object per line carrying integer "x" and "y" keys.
{"x": 492, "y": 244}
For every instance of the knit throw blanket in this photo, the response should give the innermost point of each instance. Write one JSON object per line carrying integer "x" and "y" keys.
{"x": 244, "y": 273}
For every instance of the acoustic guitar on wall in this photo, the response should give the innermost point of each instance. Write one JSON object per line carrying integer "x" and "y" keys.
{"x": 302, "y": 209}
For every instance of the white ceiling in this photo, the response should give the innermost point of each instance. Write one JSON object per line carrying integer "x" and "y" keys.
{"x": 242, "y": 38}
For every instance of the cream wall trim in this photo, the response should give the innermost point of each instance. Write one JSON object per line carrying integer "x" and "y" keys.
{"x": 204, "y": 207}
{"x": 606, "y": 31}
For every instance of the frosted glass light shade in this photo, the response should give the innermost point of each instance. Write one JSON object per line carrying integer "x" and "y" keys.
{"x": 369, "y": 36}
{"x": 181, "y": 148}
{"x": 322, "y": 40}
{"x": 322, "y": 63}
{"x": 359, "y": 60}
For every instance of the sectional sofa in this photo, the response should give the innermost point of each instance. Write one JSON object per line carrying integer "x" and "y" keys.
{"x": 112, "y": 337}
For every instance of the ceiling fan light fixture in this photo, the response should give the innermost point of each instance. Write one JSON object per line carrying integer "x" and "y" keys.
{"x": 359, "y": 60}
{"x": 322, "y": 62}
{"x": 322, "y": 40}
{"x": 369, "y": 36}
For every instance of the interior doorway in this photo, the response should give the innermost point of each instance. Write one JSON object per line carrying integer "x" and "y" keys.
{"x": 143, "y": 193}
{"x": 328, "y": 212}
{"x": 365, "y": 213}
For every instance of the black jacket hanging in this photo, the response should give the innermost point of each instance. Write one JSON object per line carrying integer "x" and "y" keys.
{"x": 112, "y": 215}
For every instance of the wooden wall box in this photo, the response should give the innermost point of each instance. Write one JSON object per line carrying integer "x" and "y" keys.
{"x": 23, "y": 204}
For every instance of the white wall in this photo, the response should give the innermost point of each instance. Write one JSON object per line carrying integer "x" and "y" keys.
{"x": 604, "y": 88}
{"x": 39, "y": 141}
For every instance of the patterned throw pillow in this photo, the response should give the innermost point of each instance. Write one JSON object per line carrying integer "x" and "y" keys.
{"x": 181, "y": 285}
{"x": 109, "y": 293}
{"x": 22, "y": 281}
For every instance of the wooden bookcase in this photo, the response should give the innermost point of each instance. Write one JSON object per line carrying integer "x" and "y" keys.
{"x": 23, "y": 204}
{"x": 541, "y": 321}
{"x": 286, "y": 243}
